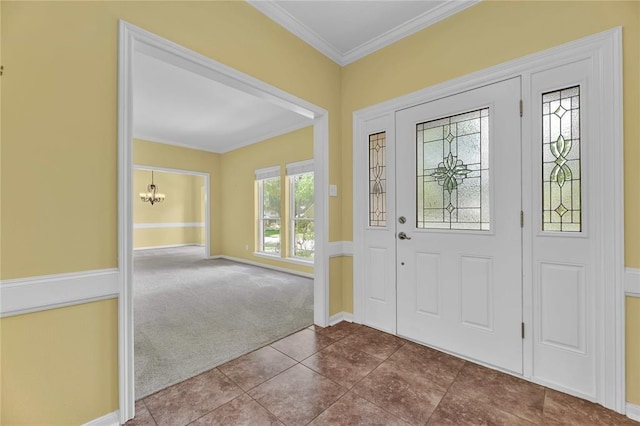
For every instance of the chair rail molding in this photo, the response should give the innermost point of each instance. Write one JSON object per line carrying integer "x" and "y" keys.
{"x": 33, "y": 294}
{"x": 340, "y": 248}
{"x": 168, "y": 225}
{"x": 632, "y": 282}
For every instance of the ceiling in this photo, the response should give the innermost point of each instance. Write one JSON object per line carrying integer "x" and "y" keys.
{"x": 181, "y": 107}
{"x": 176, "y": 106}
{"x": 347, "y": 30}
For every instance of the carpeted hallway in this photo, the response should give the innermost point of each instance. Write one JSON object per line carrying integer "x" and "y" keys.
{"x": 192, "y": 314}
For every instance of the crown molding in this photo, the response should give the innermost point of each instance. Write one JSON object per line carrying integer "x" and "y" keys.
{"x": 407, "y": 28}
{"x": 286, "y": 20}
{"x": 276, "y": 13}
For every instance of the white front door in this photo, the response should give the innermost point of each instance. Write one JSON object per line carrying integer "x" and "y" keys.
{"x": 541, "y": 293}
{"x": 459, "y": 268}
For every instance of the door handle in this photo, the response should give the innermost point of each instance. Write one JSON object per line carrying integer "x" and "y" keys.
{"x": 403, "y": 236}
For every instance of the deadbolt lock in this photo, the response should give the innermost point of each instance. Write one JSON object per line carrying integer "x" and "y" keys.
{"x": 402, "y": 219}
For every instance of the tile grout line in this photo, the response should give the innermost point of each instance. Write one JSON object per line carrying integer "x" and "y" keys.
{"x": 219, "y": 406}
{"x": 447, "y": 391}
{"x": 255, "y": 400}
{"x": 334, "y": 341}
{"x": 265, "y": 408}
{"x": 269, "y": 379}
{"x": 331, "y": 405}
{"x": 149, "y": 411}
{"x": 328, "y": 378}
{"x": 371, "y": 372}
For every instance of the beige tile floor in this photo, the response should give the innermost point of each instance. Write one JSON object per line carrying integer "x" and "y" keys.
{"x": 349, "y": 374}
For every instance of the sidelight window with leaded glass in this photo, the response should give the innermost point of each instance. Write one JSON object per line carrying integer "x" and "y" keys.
{"x": 378, "y": 179}
{"x": 452, "y": 172}
{"x": 561, "y": 171}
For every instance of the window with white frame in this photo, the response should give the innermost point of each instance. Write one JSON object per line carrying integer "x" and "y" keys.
{"x": 269, "y": 195}
{"x": 301, "y": 210}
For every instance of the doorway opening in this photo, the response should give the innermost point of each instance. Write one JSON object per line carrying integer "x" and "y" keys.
{"x": 181, "y": 220}
{"x": 135, "y": 42}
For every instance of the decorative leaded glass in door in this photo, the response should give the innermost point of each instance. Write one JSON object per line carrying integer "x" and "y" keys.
{"x": 452, "y": 172}
{"x": 378, "y": 179}
{"x": 561, "y": 196}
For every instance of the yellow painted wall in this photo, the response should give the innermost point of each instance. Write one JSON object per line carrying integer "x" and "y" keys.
{"x": 633, "y": 349}
{"x": 158, "y": 237}
{"x": 59, "y": 133}
{"x": 485, "y": 35}
{"x": 335, "y": 285}
{"x": 238, "y": 192}
{"x": 184, "y": 203}
{"x": 60, "y": 366}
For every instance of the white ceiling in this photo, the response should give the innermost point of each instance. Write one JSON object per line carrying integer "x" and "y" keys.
{"x": 179, "y": 107}
{"x": 347, "y": 30}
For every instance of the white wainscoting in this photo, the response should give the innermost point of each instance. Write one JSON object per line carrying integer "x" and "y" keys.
{"x": 632, "y": 282}
{"x": 168, "y": 225}
{"x": 24, "y": 295}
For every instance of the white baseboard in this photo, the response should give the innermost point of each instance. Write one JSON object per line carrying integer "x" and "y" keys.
{"x": 168, "y": 246}
{"x": 632, "y": 282}
{"x": 309, "y": 263}
{"x": 339, "y": 317}
{"x": 262, "y": 265}
{"x": 25, "y": 295}
{"x": 111, "y": 419}
{"x": 340, "y": 248}
{"x": 633, "y": 411}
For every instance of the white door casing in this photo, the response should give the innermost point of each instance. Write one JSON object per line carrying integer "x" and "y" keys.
{"x": 132, "y": 39}
{"x": 602, "y": 54}
{"x": 461, "y": 289}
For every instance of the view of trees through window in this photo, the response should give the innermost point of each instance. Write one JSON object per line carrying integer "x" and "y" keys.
{"x": 302, "y": 215}
{"x": 299, "y": 216}
{"x": 270, "y": 215}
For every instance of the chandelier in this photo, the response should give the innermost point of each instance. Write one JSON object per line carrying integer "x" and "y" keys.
{"x": 152, "y": 195}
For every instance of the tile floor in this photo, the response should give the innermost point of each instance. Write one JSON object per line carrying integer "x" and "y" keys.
{"x": 350, "y": 374}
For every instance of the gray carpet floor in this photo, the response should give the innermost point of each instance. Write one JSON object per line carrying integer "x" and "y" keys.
{"x": 193, "y": 314}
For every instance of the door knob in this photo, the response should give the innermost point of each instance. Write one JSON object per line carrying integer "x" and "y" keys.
{"x": 403, "y": 236}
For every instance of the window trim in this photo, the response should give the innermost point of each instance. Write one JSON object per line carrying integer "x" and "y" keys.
{"x": 260, "y": 178}
{"x": 293, "y": 170}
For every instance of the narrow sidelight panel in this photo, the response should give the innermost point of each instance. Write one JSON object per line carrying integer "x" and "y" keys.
{"x": 378, "y": 179}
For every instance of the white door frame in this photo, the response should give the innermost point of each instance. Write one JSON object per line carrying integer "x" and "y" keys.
{"x": 604, "y": 50}
{"x": 134, "y": 39}
{"x": 207, "y": 201}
